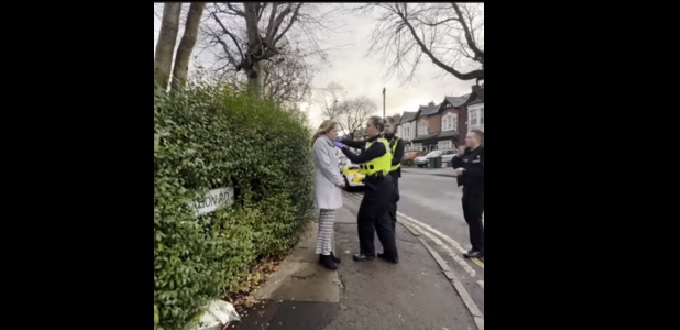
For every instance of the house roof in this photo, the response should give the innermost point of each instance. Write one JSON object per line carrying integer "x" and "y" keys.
{"x": 408, "y": 116}
{"x": 477, "y": 95}
{"x": 429, "y": 109}
{"x": 455, "y": 102}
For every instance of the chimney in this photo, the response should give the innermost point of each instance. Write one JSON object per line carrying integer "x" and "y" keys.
{"x": 431, "y": 104}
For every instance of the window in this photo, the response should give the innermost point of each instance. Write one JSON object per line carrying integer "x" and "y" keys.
{"x": 482, "y": 115}
{"x": 422, "y": 127}
{"x": 449, "y": 105}
{"x": 444, "y": 145}
{"x": 449, "y": 122}
{"x": 406, "y": 133}
{"x": 473, "y": 117}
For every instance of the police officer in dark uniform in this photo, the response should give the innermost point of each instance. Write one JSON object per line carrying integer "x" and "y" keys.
{"x": 375, "y": 162}
{"x": 396, "y": 145}
{"x": 469, "y": 165}
{"x": 397, "y": 149}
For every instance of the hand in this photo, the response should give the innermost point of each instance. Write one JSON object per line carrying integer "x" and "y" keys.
{"x": 338, "y": 144}
{"x": 342, "y": 185}
{"x": 459, "y": 170}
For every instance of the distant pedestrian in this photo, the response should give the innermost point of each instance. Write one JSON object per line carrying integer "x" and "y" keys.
{"x": 469, "y": 165}
{"x": 327, "y": 190}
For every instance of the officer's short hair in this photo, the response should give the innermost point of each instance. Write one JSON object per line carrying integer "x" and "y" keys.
{"x": 379, "y": 123}
{"x": 480, "y": 135}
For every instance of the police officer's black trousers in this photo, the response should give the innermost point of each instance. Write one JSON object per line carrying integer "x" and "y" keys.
{"x": 373, "y": 218}
{"x": 392, "y": 208}
{"x": 473, "y": 209}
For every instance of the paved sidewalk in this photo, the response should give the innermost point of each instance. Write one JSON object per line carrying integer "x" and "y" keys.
{"x": 444, "y": 171}
{"x": 413, "y": 294}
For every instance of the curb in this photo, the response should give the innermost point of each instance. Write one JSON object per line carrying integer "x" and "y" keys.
{"x": 457, "y": 285}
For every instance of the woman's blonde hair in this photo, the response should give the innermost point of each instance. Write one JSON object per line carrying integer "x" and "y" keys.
{"x": 326, "y": 127}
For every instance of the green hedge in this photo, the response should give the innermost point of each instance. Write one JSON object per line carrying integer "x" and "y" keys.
{"x": 209, "y": 137}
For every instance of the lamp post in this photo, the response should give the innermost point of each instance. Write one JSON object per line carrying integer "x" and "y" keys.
{"x": 384, "y": 89}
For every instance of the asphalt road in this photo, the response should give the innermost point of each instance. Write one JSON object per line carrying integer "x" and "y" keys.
{"x": 431, "y": 204}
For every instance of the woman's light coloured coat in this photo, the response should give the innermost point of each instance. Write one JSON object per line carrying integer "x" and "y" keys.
{"x": 327, "y": 192}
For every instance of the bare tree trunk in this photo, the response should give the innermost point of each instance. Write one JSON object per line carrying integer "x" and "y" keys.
{"x": 256, "y": 79}
{"x": 186, "y": 46}
{"x": 165, "y": 48}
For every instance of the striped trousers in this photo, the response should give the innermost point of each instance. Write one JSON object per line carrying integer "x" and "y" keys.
{"x": 324, "y": 240}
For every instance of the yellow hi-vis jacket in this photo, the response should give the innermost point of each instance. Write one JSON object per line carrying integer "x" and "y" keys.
{"x": 379, "y": 164}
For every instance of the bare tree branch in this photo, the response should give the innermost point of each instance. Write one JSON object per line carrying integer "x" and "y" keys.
{"x": 354, "y": 112}
{"x": 250, "y": 42}
{"x": 233, "y": 10}
{"x": 479, "y": 54}
{"x": 292, "y": 20}
{"x": 446, "y": 34}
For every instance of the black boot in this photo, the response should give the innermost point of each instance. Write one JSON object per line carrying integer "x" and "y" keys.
{"x": 362, "y": 257}
{"x": 474, "y": 254}
{"x": 392, "y": 259}
{"x": 335, "y": 259}
{"x": 327, "y": 262}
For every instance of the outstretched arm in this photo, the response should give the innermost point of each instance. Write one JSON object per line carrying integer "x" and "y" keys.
{"x": 353, "y": 144}
{"x": 374, "y": 151}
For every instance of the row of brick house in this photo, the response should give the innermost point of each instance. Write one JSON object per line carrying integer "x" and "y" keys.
{"x": 441, "y": 126}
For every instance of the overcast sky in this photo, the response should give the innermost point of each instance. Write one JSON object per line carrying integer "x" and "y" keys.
{"x": 363, "y": 76}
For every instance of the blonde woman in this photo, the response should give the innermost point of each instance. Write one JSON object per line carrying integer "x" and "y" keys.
{"x": 327, "y": 190}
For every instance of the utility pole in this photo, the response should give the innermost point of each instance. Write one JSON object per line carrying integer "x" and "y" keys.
{"x": 335, "y": 104}
{"x": 384, "y": 117}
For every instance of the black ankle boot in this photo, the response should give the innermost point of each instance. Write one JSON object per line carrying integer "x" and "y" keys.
{"x": 327, "y": 262}
{"x": 335, "y": 259}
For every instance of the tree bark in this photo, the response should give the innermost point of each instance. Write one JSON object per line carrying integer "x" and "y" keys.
{"x": 186, "y": 46}
{"x": 165, "y": 48}
{"x": 255, "y": 79}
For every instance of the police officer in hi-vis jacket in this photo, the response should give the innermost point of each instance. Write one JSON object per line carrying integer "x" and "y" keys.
{"x": 396, "y": 145}
{"x": 375, "y": 163}
{"x": 469, "y": 164}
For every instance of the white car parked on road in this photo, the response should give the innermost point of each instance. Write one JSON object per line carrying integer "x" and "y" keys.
{"x": 423, "y": 161}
